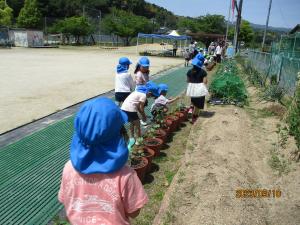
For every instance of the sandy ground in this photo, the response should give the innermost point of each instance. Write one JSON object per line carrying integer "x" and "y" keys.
{"x": 38, "y": 82}
{"x": 228, "y": 150}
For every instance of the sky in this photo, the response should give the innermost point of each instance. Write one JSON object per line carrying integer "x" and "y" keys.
{"x": 284, "y": 13}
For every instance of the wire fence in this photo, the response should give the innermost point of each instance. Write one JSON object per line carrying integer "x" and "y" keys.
{"x": 276, "y": 66}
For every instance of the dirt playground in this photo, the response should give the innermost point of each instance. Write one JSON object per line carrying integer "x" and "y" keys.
{"x": 37, "y": 82}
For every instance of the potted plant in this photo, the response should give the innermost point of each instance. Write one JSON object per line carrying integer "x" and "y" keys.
{"x": 154, "y": 143}
{"x": 143, "y": 151}
{"x": 139, "y": 164}
{"x": 162, "y": 122}
{"x": 184, "y": 110}
{"x": 175, "y": 122}
{"x": 156, "y": 131}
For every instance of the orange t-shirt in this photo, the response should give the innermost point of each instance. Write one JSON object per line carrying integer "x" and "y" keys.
{"x": 101, "y": 199}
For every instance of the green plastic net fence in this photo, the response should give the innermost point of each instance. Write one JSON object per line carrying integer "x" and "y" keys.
{"x": 30, "y": 168}
{"x": 228, "y": 86}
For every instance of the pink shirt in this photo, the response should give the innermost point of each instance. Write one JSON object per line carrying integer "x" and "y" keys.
{"x": 141, "y": 78}
{"x": 132, "y": 102}
{"x": 101, "y": 199}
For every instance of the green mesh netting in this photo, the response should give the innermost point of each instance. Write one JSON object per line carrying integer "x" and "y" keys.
{"x": 227, "y": 85}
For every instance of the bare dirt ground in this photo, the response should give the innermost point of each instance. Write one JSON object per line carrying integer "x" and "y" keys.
{"x": 229, "y": 149}
{"x": 38, "y": 82}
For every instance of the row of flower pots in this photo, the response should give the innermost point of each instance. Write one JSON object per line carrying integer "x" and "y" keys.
{"x": 153, "y": 141}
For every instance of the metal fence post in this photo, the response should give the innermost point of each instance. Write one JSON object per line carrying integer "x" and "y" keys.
{"x": 280, "y": 70}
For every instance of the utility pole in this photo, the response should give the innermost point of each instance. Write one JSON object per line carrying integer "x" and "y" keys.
{"x": 266, "y": 28}
{"x": 228, "y": 19}
{"x": 237, "y": 25}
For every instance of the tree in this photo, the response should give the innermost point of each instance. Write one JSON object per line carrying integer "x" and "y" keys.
{"x": 246, "y": 32}
{"x": 126, "y": 24}
{"x": 30, "y": 16}
{"x": 77, "y": 26}
{"x": 6, "y": 14}
{"x": 214, "y": 24}
{"x": 185, "y": 23}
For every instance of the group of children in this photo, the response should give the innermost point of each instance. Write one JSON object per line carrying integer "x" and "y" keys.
{"x": 97, "y": 185}
{"x": 132, "y": 95}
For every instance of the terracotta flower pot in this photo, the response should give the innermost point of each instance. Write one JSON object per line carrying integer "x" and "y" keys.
{"x": 141, "y": 167}
{"x": 155, "y": 144}
{"x": 167, "y": 130}
{"x": 185, "y": 111}
{"x": 181, "y": 116}
{"x": 149, "y": 154}
{"x": 175, "y": 120}
{"x": 161, "y": 134}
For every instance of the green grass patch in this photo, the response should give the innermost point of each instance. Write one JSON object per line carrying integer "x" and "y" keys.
{"x": 278, "y": 163}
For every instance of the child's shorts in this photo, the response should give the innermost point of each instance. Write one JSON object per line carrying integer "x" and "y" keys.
{"x": 132, "y": 116}
{"x": 121, "y": 96}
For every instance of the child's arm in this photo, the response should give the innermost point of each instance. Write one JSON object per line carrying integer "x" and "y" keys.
{"x": 173, "y": 100}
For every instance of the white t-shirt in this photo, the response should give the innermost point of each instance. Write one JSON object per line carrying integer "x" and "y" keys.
{"x": 141, "y": 78}
{"x": 219, "y": 50}
{"x": 133, "y": 100}
{"x": 124, "y": 82}
{"x": 160, "y": 101}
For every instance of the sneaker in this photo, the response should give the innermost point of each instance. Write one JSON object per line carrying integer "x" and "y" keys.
{"x": 143, "y": 123}
{"x": 130, "y": 143}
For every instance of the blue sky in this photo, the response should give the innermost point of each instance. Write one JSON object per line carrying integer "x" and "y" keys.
{"x": 284, "y": 13}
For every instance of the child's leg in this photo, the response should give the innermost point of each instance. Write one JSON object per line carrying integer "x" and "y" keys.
{"x": 132, "y": 129}
{"x": 196, "y": 111}
{"x": 137, "y": 127}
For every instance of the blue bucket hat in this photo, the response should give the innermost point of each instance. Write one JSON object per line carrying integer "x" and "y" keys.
{"x": 153, "y": 88}
{"x": 144, "y": 62}
{"x": 162, "y": 87}
{"x": 124, "y": 62}
{"x": 97, "y": 144}
{"x": 198, "y": 60}
{"x": 149, "y": 87}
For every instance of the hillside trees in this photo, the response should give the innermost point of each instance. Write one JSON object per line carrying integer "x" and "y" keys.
{"x": 30, "y": 15}
{"x": 6, "y": 14}
{"x": 77, "y": 26}
{"x": 126, "y": 24}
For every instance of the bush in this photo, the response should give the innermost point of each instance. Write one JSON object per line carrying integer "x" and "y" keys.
{"x": 228, "y": 86}
{"x": 272, "y": 93}
{"x": 293, "y": 118}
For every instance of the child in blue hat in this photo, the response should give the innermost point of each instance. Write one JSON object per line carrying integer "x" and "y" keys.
{"x": 134, "y": 104}
{"x": 124, "y": 83}
{"x": 161, "y": 102}
{"x": 96, "y": 184}
{"x": 196, "y": 89}
{"x": 142, "y": 71}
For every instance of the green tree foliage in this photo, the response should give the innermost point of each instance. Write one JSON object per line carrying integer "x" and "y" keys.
{"x": 126, "y": 24}
{"x": 246, "y": 32}
{"x": 76, "y": 26}
{"x": 6, "y": 14}
{"x": 214, "y": 24}
{"x": 186, "y": 23}
{"x": 30, "y": 15}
